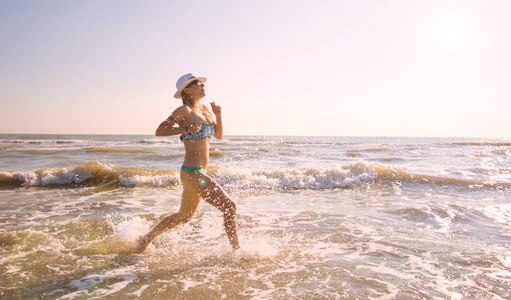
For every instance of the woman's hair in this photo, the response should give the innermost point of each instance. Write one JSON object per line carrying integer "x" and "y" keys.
{"x": 187, "y": 99}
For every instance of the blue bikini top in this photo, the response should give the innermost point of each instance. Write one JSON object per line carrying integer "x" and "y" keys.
{"x": 206, "y": 131}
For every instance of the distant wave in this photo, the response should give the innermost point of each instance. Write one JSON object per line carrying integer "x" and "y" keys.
{"x": 158, "y": 141}
{"x": 352, "y": 153}
{"x": 356, "y": 153}
{"x": 218, "y": 152}
{"x": 502, "y": 151}
{"x": 44, "y": 142}
{"x": 88, "y": 149}
{"x": 111, "y": 150}
{"x": 316, "y": 178}
{"x": 475, "y": 143}
{"x": 379, "y": 149}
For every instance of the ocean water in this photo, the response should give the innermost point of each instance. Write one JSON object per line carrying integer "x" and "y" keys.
{"x": 318, "y": 217}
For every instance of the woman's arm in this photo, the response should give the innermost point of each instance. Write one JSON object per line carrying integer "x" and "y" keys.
{"x": 219, "y": 129}
{"x": 167, "y": 128}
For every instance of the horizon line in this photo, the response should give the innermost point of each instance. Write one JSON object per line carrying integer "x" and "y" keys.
{"x": 266, "y": 135}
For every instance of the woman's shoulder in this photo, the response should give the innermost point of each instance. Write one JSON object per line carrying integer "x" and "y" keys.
{"x": 181, "y": 113}
{"x": 183, "y": 109}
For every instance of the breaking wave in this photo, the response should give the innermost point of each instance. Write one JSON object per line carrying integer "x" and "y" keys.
{"x": 315, "y": 178}
{"x": 90, "y": 174}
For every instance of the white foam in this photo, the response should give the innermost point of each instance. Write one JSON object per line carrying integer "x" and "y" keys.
{"x": 187, "y": 284}
{"x": 318, "y": 178}
{"x": 88, "y": 285}
{"x": 27, "y": 178}
{"x": 444, "y": 222}
{"x": 155, "y": 181}
{"x": 82, "y": 173}
{"x": 256, "y": 247}
{"x": 55, "y": 176}
{"x": 130, "y": 230}
{"x": 139, "y": 292}
{"x": 505, "y": 260}
{"x": 159, "y": 141}
{"x": 211, "y": 225}
{"x": 500, "y": 213}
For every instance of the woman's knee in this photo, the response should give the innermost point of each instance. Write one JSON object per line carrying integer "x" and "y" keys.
{"x": 230, "y": 207}
{"x": 180, "y": 218}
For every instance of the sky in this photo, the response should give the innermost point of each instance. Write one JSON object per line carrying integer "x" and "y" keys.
{"x": 276, "y": 67}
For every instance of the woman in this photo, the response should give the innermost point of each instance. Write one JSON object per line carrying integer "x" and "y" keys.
{"x": 196, "y": 125}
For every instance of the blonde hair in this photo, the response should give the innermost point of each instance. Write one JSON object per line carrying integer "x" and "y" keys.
{"x": 187, "y": 99}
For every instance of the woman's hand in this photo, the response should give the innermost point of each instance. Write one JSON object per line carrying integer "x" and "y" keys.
{"x": 217, "y": 110}
{"x": 193, "y": 128}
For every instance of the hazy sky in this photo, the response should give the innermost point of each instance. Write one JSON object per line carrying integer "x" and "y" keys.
{"x": 348, "y": 68}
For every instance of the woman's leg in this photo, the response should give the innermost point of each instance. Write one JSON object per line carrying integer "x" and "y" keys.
{"x": 189, "y": 202}
{"x": 213, "y": 193}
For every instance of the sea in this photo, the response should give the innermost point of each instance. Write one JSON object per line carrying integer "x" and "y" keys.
{"x": 318, "y": 218}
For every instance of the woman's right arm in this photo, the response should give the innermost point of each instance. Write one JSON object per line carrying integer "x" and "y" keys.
{"x": 167, "y": 128}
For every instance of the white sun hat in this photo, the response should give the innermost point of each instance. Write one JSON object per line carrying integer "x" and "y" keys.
{"x": 185, "y": 80}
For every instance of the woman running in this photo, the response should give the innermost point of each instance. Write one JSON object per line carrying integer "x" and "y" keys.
{"x": 196, "y": 125}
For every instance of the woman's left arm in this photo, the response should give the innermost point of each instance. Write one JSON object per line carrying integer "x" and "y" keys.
{"x": 219, "y": 130}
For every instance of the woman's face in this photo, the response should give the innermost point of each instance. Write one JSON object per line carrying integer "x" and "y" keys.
{"x": 195, "y": 89}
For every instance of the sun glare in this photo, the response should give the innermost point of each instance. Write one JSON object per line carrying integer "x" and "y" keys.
{"x": 451, "y": 35}
{"x": 451, "y": 30}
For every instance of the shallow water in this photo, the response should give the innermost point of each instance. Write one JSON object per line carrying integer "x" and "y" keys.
{"x": 330, "y": 218}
